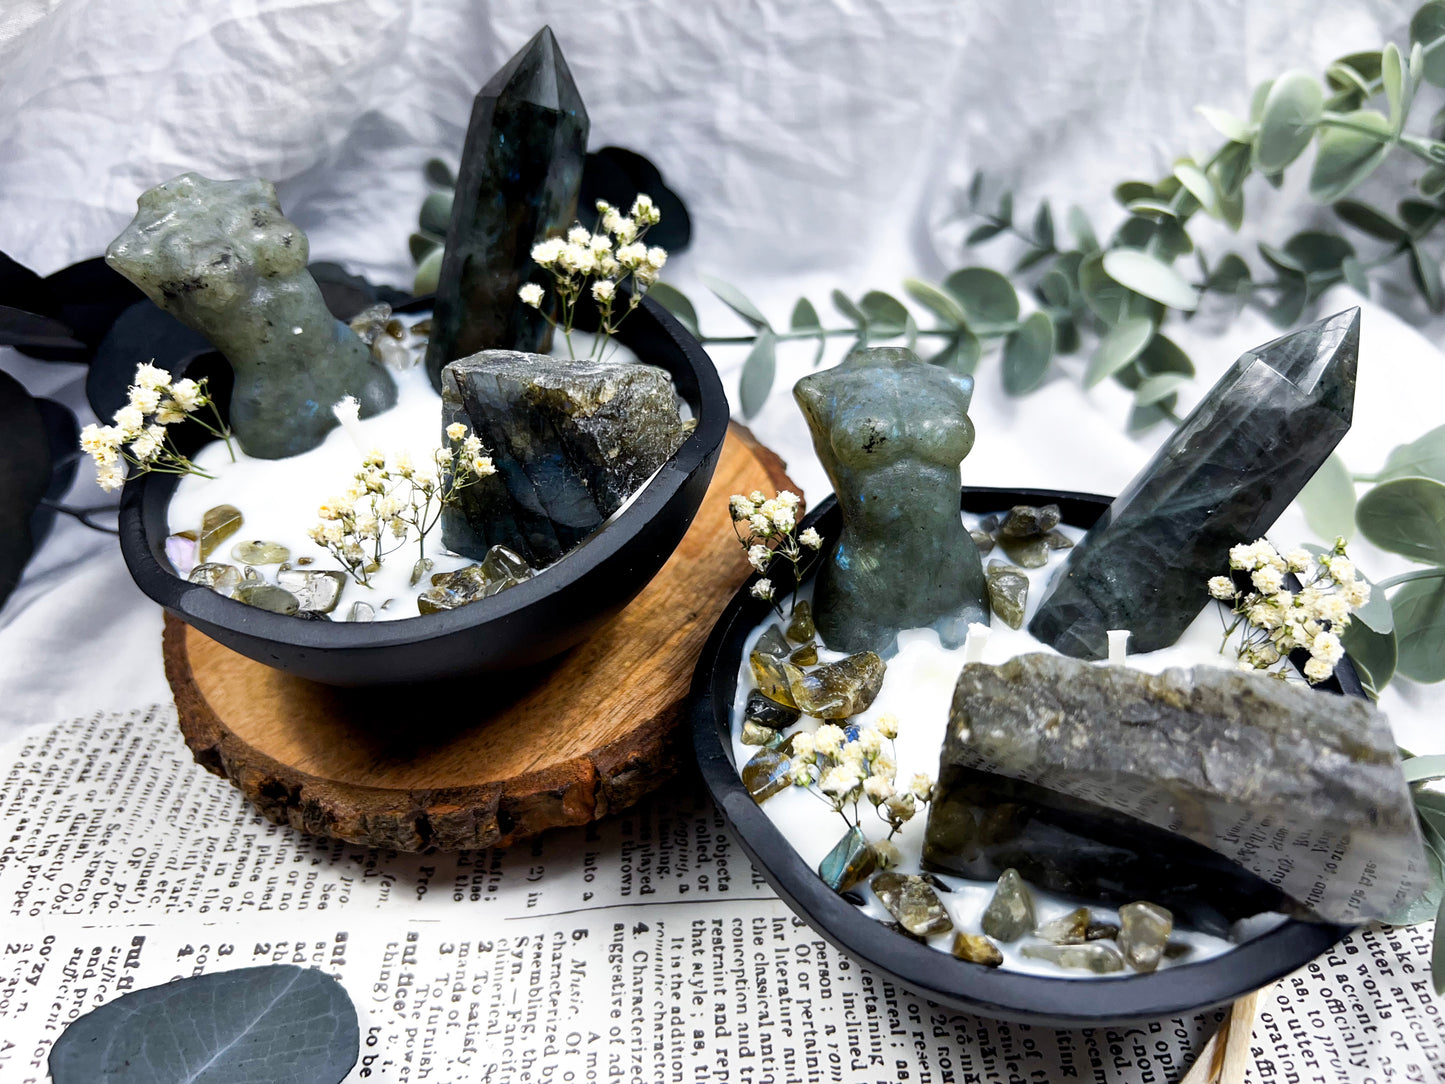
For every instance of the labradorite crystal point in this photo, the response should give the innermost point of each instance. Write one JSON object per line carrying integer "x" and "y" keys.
{"x": 520, "y": 175}
{"x": 221, "y": 258}
{"x": 1195, "y": 789}
{"x": 571, "y": 440}
{"x": 891, "y": 432}
{"x": 1223, "y": 478}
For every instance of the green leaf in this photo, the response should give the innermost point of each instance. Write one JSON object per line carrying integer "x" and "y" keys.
{"x": 1231, "y": 204}
{"x": 1420, "y": 769}
{"x": 936, "y": 301}
{"x": 1419, "y": 217}
{"x": 910, "y": 332}
{"x": 1155, "y": 389}
{"x": 1066, "y": 335}
{"x": 1392, "y": 77}
{"x": 1150, "y": 276}
{"x": 1146, "y": 417}
{"x": 1005, "y": 212}
{"x": 439, "y": 173}
{"x": 1289, "y": 304}
{"x": 1425, "y": 270}
{"x": 1354, "y": 273}
{"x": 1118, "y": 348}
{"x": 1026, "y": 354}
{"x": 1200, "y": 187}
{"x": 1280, "y": 260}
{"x": 1428, "y": 29}
{"x": 1420, "y": 629}
{"x": 1110, "y": 301}
{"x": 1229, "y": 273}
{"x": 1044, "y": 226}
{"x": 427, "y": 273}
{"x": 985, "y": 296}
{"x": 676, "y": 302}
{"x": 1374, "y": 654}
{"x": 1054, "y": 289}
{"x": 1233, "y": 168}
{"x": 1423, "y": 457}
{"x": 1346, "y": 157}
{"x": 736, "y": 300}
{"x": 1126, "y": 192}
{"x": 1406, "y": 516}
{"x": 1257, "y": 100}
{"x": 887, "y": 316}
{"x": 1151, "y": 206}
{"x": 1376, "y": 613}
{"x": 1031, "y": 257}
{"x": 1343, "y": 78}
{"x": 851, "y": 312}
{"x": 421, "y": 245}
{"x": 1328, "y": 500}
{"x": 1365, "y": 66}
{"x": 1315, "y": 251}
{"x": 1432, "y": 182}
{"x": 960, "y": 353}
{"x": 756, "y": 382}
{"x": 1163, "y": 355}
{"x": 805, "y": 317}
{"x": 436, "y": 213}
{"x": 1287, "y": 121}
{"x": 1226, "y": 124}
{"x": 982, "y": 233}
{"x": 975, "y": 188}
{"x": 1083, "y": 232}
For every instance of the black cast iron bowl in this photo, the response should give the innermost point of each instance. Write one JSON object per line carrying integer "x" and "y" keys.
{"x": 1006, "y": 995}
{"x": 525, "y": 624}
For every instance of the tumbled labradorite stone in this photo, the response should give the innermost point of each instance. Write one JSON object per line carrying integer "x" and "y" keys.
{"x": 316, "y": 592}
{"x": 1032, "y": 553}
{"x": 1026, "y": 521}
{"x": 420, "y": 569}
{"x": 913, "y": 902}
{"x": 765, "y": 711}
{"x": 1069, "y": 929}
{"x": 850, "y": 860}
{"x": 772, "y": 669}
{"x": 1101, "y": 931}
{"x": 839, "y": 689}
{"x": 1144, "y": 930}
{"x": 753, "y": 734}
{"x": 361, "y": 611}
{"x": 1010, "y": 914}
{"x": 891, "y": 432}
{"x": 1057, "y": 540}
{"x": 217, "y": 525}
{"x": 1008, "y": 593}
{"x": 221, "y": 578}
{"x": 807, "y": 655}
{"x": 183, "y": 551}
{"x": 503, "y": 565}
{"x": 976, "y": 949}
{"x": 766, "y": 774}
{"x": 983, "y": 540}
{"x": 1100, "y": 957}
{"x": 1223, "y": 477}
{"x": 260, "y": 553}
{"x": 801, "y": 628}
{"x": 266, "y": 596}
{"x": 222, "y": 258}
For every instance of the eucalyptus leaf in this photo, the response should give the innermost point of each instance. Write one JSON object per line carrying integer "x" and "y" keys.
{"x": 1257, "y": 100}
{"x": 1163, "y": 355}
{"x": 1126, "y": 192}
{"x": 1287, "y": 120}
{"x": 975, "y": 188}
{"x": 1151, "y": 206}
{"x": 984, "y": 232}
{"x": 886, "y": 315}
{"x": 421, "y": 245}
{"x": 1419, "y": 217}
{"x": 1421, "y": 769}
{"x": 1231, "y": 203}
{"x": 1289, "y": 303}
{"x": 756, "y": 382}
{"x": 1420, "y": 629}
{"x": 1054, "y": 289}
{"x": 910, "y": 332}
{"x": 1427, "y": 27}
{"x": 1328, "y": 500}
{"x": 1026, "y": 354}
{"x": 1316, "y": 251}
{"x": 1044, "y": 226}
{"x": 436, "y": 213}
{"x": 1083, "y": 232}
{"x": 736, "y": 300}
{"x": 1346, "y": 156}
{"x": 1423, "y": 457}
{"x": 1229, "y": 273}
{"x": 1432, "y": 182}
{"x": 985, "y": 296}
{"x": 1376, "y": 614}
{"x": 805, "y": 317}
{"x": 1232, "y": 168}
{"x": 1005, "y": 212}
{"x": 936, "y": 301}
{"x": 1406, "y": 516}
{"x": 439, "y": 173}
{"x": 281, "y": 1024}
{"x": 1066, "y": 335}
{"x": 1146, "y": 417}
{"x": 851, "y": 312}
{"x": 1354, "y": 273}
{"x": 1375, "y": 654}
{"x": 1155, "y": 389}
{"x": 427, "y": 273}
{"x": 1118, "y": 348}
{"x": 1226, "y": 124}
{"x": 1392, "y": 78}
{"x": 1349, "y": 84}
{"x": 1031, "y": 257}
{"x": 1425, "y": 271}
{"x": 960, "y": 353}
{"x": 1150, "y": 276}
{"x": 1199, "y": 185}
{"x": 677, "y": 303}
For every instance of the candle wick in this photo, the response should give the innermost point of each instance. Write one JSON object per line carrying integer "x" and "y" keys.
{"x": 348, "y": 413}
{"x": 1118, "y": 646}
{"x": 975, "y": 642}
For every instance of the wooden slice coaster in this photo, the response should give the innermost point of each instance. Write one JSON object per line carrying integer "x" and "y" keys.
{"x": 415, "y": 769}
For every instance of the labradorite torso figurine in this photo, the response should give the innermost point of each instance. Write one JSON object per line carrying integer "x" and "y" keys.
{"x": 891, "y": 432}
{"x": 220, "y": 257}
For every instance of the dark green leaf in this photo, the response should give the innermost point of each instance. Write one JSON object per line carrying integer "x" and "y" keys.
{"x": 427, "y": 273}
{"x": 1054, "y": 289}
{"x": 982, "y": 233}
{"x": 1281, "y": 260}
{"x": 1231, "y": 204}
{"x": 676, "y": 302}
{"x": 1151, "y": 207}
{"x": 1083, "y": 232}
{"x": 1371, "y": 220}
{"x": 421, "y": 245}
{"x": 1031, "y": 257}
{"x": 1428, "y": 28}
{"x": 1044, "y": 226}
{"x": 756, "y": 382}
{"x": 1373, "y": 653}
{"x": 1365, "y": 66}
{"x": 1026, "y": 354}
{"x": 985, "y": 296}
{"x": 1155, "y": 389}
{"x": 936, "y": 301}
{"x": 975, "y": 188}
{"x": 851, "y": 312}
{"x": 1432, "y": 182}
{"x": 735, "y": 299}
{"x": 439, "y": 173}
{"x": 1287, "y": 121}
{"x": 1425, "y": 270}
{"x": 1118, "y": 348}
{"x": 1110, "y": 301}
{"x": 1423, "y": 457}
{"x": 1144, "y": 418}
{"x": 281, "y": 1024}
{"x": 1172, "y": 239}
{"x": 1328, "y": 500}
{"x": 886, "y": 315}
{"x": 1005, "y": 212}
{"x": 1406, "y": 516}
{"x": 1420, "y": 629}
{"x": 1346, "y": 157}
{"x": 1150, "y": 276}
{"x": 1066, "y": 335}
{"x": 1126, "y": 192}
{"x": 1419, "y": 217}
{"x": 1354, "y": 273}
{"x": 1229, "y": 273}
{"x": 805, "y": 317}
{"x": 436, "y": 213}
{"x": 1233, "y": 168}
{"x": 1163, "y": 355}
{"x": 1315, "y": 251}
{"x": 1289, "y": 303}
{"x": 960, "y": 353}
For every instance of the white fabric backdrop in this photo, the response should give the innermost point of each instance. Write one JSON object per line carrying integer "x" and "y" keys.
{"x": 818, "y": 144}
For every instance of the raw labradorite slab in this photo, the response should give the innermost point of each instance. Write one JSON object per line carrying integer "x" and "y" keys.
{"x": 316, "y": 592}
{"x": 1010, "y": 913}
{"x": 1100, "y": 957}
{"x": 913, "y": 902}
{"x": 266, "y": 596}
{"x": 217, "y": 525}
{"x": 976, "y": 949}
{"x": 771, "y": 667}
{"x": 521, "y": 171}
{"x": 1144, "y": 930}
{"x": 891, "y": 432}
{"x": 1223, "y": 478}
{"x": 220, "y": 578}
{"x": 222, "y": 258}
{"x": 849, "y": 862}
{"x": 257, "y": 552}
{"x": 765, "y": 711}
{"x": 801, "y": 629}
{"x": 571, "y": 440}
{"x": 1069, "y": 929}
{"x": 840, "y": 689}
{"x": 1008, "y": 593}
{"x": 1196, "y": 789}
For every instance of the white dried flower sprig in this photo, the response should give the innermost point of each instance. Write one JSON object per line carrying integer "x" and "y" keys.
{"x": 767, "y": 528}
{"x": 597, "y": 264}
{"x": 1273, "y": 621}
{"x": 139, "y": 434}
{"x": 392, "y": 501}
{"x": 845, "y": 769}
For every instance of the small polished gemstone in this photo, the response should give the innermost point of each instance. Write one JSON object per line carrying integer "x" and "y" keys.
{"x": 1029, "y": 553}
{"x": 771, "y": 667}
{"x": 435, "y": 600}
{"x": 1100, "y": 957}
{"x": 807, "y": 655}
{"x": 420, "y": 569}
{"x": 1101, "y": 931}
{"x": 1027, "y": 521}
{"x": 913, "y": 902}
{"x": 502, "y": 564}
{"x": 976, "y": 949}
{"x": 316, "y": 592}
{"x": 371, "y": 321}
{"x": 1069, "y": 929}
{"x": 1144, "y": 930}
{"x": 302, "y": 562}
{"x": 1010, "y": 914}
{"x": 1008, "y": 593}
{"x": 1057, "y": 540}
{"x": 753, "y": 734}
{"x": 361, "y": 611}
{"x": 220, "y": 578}
{"x": 839, "y": 689}
{"x": 850, "y": 860}
{"x": 257, "y": 552}
{"x": 766, "y": 774}
{"x": 217, "y": 525}
{"x": 983, "y": 540}
{"x": 765, "y": 711}
{"x": 266, "y": 596}
{"x": 396, "y": 356}
{"x": 183, "y": 551}
{"x": 801, "y": 628}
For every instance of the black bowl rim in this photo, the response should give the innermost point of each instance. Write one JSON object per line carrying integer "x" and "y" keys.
{"x": 1009, "y": 995}
{"x": 196, "y": 603}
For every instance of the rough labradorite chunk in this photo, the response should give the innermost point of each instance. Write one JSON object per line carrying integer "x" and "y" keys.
{"x": 260, "y": 553}
{"x": 222, "y": 258}
{"x": 420, "y": 569}
{"x": 521, "y": 171}
{"x": 1057, "y": 540}
{"x": 912, "y": 901}
{"x": 849, "y": 862}
{"x": 766, "y": 774}
{"x": 1108, "y": 782}
{"x": 1069, "y": 929}
{"x": 983, "y": 540}
{"x": 839, "y": 689}
{"x": 217, "y": 525}
{"x": 316, "y": 592}
{"x": 1223, "y": 477}
{"x": 361, "y": 611}
{"x": 1026, "y": 521}
{"x": 1029, "y": 553}
{"x": 571, "y": 440}
{"x": 266, "y": 596}
{"x": 220, "y": 578}
{"x": 1008, "y": 593}
{"x": 1144, "y": 930}
{"x": 976, "y": 949}
{"x": 502, "y": 565}
{"x": 801, "y": 629}
{"x": 807, "y": 655}
{"x": 771, "y": 666}
{"x": 1100, "y": 957}
{"x": 891, "y": 432}
{"x": 1101, "y": 931}
{"x": 753, "y": 734}
{"x": 765, "y": 711}
{"x": 1010, "y": 914}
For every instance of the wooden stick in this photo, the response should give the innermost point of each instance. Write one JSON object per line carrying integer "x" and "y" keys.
{"x": 1225, "y": 1057}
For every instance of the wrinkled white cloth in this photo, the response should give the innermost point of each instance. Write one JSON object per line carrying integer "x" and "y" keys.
{"x": 818, "y": 144}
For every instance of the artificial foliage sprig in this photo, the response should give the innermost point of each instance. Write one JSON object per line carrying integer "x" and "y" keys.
{"x": 767, "y": 529}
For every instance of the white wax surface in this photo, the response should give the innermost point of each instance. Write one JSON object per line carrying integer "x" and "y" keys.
{"x": 918, "y": 690}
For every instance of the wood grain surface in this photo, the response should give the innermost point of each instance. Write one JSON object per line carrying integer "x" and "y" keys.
{"x": 416, "y": 768}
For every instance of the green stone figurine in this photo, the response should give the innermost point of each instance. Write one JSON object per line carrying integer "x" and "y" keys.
{"x": 891, "y": 432}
